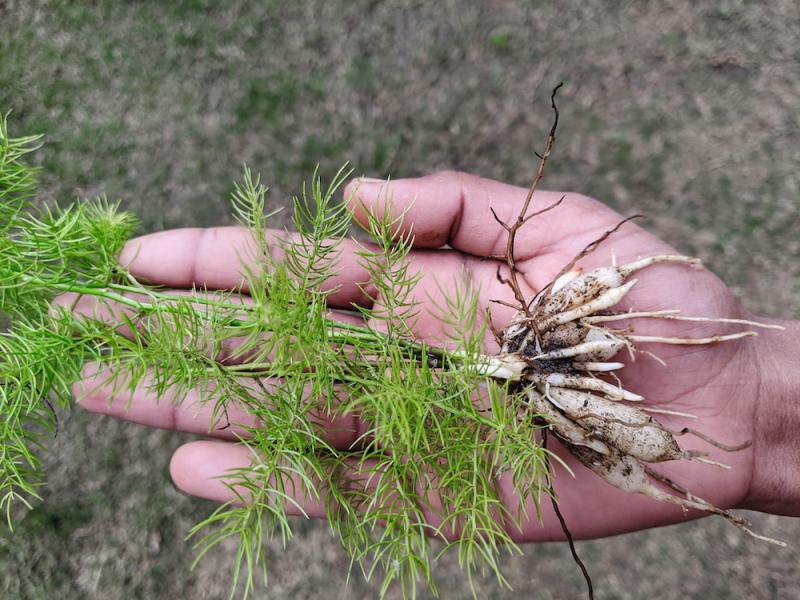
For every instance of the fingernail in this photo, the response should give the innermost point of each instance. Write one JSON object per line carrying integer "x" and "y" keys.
{"x": 368, "y": 187}
{"x": 372, "y": 180}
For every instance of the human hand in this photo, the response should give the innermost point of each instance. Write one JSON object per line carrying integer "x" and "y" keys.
{"x": 720, "y": 384}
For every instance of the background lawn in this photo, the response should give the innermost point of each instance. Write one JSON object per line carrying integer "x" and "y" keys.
{"x": 687, "y": 113}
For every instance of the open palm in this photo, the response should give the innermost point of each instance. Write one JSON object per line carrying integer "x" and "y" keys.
{"x": 454, "y": 232}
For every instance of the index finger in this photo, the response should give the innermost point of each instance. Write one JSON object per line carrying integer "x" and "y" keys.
{"x": 456, "y": 209}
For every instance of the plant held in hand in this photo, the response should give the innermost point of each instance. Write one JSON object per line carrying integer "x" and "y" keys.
{"x": 356, "y": 384}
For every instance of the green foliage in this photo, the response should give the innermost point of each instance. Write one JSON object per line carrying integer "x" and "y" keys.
{"x": 437, "y": 435}
{"x": 40, "y": 357}
{"x": 17, "y": 180}
{"x": 500, "y": 41}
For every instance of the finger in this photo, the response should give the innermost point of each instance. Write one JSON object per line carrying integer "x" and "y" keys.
{"x": 192, "y": 410}
{"x": 456, "y": 209}
{"x": 203, "y": 469}
{"x": 179, "y": 410}
{"x": 207, "y": 469}
{"x": 123, "y": 315}
{"x": 214, "y": 258}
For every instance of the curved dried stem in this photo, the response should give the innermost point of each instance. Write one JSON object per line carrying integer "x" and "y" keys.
{"x": 523, "y": 217}
{"x": 565, "y": 528}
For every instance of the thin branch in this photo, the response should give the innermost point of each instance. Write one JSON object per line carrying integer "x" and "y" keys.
{"x": 544, "y": 210}
{"x": 521, "y": 219}
{"x": 498, "y": 337}
{"x": 713, "y": 442}
{"x": 562, "y": 521}
{"x": 504, "y": 303}
{"x": 499, "y": 220}
{"x": 502, "y": 279}
{"x": 588, "y": 249}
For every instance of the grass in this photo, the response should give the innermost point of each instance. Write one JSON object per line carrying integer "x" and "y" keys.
{"x": 686, "y": 114}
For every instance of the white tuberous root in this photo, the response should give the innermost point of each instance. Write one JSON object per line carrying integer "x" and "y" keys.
{"x": 558, "y": 349}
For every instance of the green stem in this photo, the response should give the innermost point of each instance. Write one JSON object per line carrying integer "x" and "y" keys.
{"x": 341, "y": 332}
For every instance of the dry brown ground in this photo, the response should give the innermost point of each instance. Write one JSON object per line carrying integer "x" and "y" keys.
{"x": 685, "y": 111}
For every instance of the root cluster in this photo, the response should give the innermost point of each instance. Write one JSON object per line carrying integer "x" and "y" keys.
{"x": 560, "y": 348}
{"x": 565, "y": 347}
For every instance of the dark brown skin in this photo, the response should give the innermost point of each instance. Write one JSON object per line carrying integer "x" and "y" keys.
{"x": 742, "y": 390}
